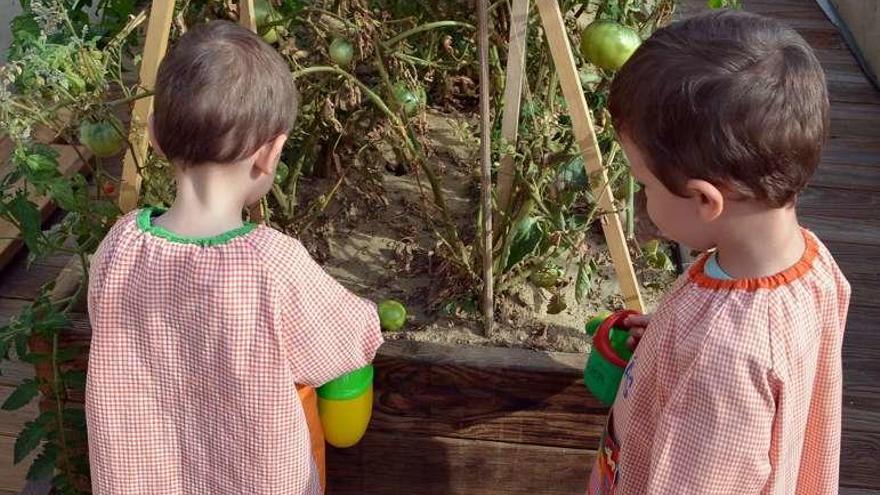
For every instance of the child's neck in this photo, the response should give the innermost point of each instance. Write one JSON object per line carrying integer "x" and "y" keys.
{"x": 759, "y": 242}
{"x": 207, "y": 204}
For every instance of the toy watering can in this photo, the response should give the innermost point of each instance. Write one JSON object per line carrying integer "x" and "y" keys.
{"x": 345, "y": 406}
{"x": 610, "y": 354}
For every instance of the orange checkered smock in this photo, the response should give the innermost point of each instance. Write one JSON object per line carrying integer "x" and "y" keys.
{"x": 735, "y": 388}
{"x": 197, "y": 349}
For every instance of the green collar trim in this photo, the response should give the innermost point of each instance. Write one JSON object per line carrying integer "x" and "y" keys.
{"x": 145, "y": 223}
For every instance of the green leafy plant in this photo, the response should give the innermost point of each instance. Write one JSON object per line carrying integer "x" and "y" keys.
{"x": 724, "y": 4}
{"x": 60, "y": 73}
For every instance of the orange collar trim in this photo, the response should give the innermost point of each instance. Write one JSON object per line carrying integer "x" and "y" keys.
{"x": 697, "y": 273}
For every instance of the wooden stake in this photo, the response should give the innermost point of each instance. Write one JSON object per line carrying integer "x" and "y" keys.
{"x": 582, "y": 123}
{"x": 486, "y": 165}
{"x": 516, "y": 59}
{"x": 156, "y": 44}
{"x": 247, "y": 18}
{"x": 246, "y": 14}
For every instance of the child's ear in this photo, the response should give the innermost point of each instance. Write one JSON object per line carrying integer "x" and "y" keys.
{"x": 710, "y": 200}
{"x": 151, "y": 131}
{"x": 266, "y": 158}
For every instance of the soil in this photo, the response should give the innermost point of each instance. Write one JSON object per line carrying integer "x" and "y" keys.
{"x": 383, "y": 251}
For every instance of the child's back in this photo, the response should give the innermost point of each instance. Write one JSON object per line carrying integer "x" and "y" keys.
{"x": 199, "y": 343}
{"x": 735, "y": 387}
{"x": 737, "y": 383}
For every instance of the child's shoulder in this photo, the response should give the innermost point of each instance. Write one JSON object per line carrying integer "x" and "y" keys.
{"x": 282, "y": 255}
{"x": 764, "y": 320}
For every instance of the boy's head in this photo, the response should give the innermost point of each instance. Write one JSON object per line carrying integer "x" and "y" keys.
{"x": 224, "y": 97}
{"x": 720, "y": 109}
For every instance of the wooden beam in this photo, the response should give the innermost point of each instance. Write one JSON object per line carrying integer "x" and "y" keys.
{"x": 585, "y": 135}
{"x": 516, "y": 59}
{"x": 158, "y": 30}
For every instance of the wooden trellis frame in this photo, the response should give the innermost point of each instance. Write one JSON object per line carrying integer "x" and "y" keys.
{"x": 155, "y": 46}
{"x": 582, "y": 123}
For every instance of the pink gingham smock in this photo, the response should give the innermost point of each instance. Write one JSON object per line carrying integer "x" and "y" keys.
{"x": 735, "y": 388}
{"x": 197, "y": 347}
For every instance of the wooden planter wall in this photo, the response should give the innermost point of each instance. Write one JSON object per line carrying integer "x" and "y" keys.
{"x": 464, "y": 420}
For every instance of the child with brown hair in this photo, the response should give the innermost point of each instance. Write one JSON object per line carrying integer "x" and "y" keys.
{"x": 204, "y": 325}
{"x": 735, "y": 386}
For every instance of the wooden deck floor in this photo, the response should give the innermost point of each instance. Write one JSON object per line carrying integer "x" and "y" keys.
{"x": 842, "y": 205}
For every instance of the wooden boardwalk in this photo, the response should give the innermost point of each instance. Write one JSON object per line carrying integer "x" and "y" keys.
{"x": 842, "y": 205}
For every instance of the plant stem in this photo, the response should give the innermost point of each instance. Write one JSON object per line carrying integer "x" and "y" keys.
{"x": 425, "y": 27}
{"x": 129, "y": 99}
{"x": 398, "y": 124}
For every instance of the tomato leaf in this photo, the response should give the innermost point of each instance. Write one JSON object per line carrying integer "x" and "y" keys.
{"x": 526, "y": 237}
{"x": 31, "y": 435}
{"x": 715, "y": 4}
{"x": 584, "y": 280}
{"x": 43, "y": 466}
{"x": 22, "y": 395}
{"x": 26, "y": 214}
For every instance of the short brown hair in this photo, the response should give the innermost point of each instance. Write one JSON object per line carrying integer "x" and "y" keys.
{"x": 733, "y": 98}
{"x": 221, "y": 93}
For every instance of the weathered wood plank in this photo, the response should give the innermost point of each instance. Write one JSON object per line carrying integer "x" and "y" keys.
{"x": 790, "y": 11}
{"x": 18, "y": 281}
{"x": 857, "y": 491}
{"x": 13, "y": 372}
{"x": 861, "y": 395}
{"x": 860, "y": 452}
{"x": 12, "y": 476}
{"x": 507, "y": 395}
{"x": 855, "y": 120}
{"x": 839, "y": 203}
{"x": 846, "y": 176}
{"x": 843, "y": 230}
{"x": 11, "y": 422}
{"x": 387, "y": 464}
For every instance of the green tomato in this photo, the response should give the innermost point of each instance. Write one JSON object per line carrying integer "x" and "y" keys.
{"x": 557, "y": 305}
{"x": 267, "y": 20}
{"x": 411, "y": 101}
{"x": 608, "y": 45}
{"x": 281, "y": 172}
{"x": 103, "y": 138}
{"x": 273, "y": 34}
{"x": 392, "y": 315}
{"x": 547, "y": 277}
{"x": 341, "y": 52}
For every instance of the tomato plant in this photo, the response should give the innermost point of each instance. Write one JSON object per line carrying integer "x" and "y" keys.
{"x": 59, "y": 80}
